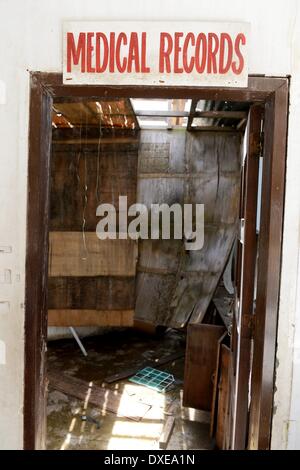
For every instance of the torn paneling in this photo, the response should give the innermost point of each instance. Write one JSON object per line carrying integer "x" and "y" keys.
{"x": 175, "y": 286}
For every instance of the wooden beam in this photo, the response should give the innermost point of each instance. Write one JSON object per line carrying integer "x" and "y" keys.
{"x": 222, "y": 114}
{"x": 166, "y": 432}
{"x": 214, "y": 129}
{"x": 93, "y": 132}
{"x": 192, "y": 114}
{"x": 75, "y": 317}
{"x": 104, "y": 399}
{"x": 169, "y": 113}
{"x": 91, "y": 293}
{"x": 259, "y": 89}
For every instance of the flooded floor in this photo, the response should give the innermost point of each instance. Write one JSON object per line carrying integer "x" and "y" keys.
{"x": 75, "y": 424}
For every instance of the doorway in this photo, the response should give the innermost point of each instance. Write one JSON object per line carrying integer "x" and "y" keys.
{"x": 269, "y": 93}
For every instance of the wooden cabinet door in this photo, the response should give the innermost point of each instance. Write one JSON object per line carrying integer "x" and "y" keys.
{"x": 200, "y": 365}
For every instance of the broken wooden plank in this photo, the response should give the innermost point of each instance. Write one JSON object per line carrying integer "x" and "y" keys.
{"x": 154, "y": 363}
{"x": 78, "y": 254}
{"x": 91, "y": 394}
{"x": 84, "y": 317}
{"x": 62, "y": 138}
{"x": 166, "y": 432}
{"x": 172, "y": 409}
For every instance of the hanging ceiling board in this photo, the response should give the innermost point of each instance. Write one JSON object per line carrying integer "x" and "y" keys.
{"x": 175, "y": 286}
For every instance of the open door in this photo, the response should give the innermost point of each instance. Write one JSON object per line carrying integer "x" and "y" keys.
{"x": 242, "y": 331}
{"x": 272, "y": 93}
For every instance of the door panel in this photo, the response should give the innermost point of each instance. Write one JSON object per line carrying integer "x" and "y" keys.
{"x": 246, "y": 262}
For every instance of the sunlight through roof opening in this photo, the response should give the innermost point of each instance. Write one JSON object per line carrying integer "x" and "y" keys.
{"x": 161, "y": 114}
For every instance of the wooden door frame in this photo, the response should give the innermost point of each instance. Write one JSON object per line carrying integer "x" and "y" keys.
{"x": 44, "y": 87}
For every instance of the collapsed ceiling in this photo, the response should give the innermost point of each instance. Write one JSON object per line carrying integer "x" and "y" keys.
{"x": 135, "y": 114}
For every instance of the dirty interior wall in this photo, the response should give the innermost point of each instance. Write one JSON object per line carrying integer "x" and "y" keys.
{"x": 31, "y": 40}
{"x": 91, "y": 282}
{"x": 175, "y": 285}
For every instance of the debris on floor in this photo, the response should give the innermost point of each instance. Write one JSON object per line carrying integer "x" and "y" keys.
{"x": 98, "y": 396}
{"x": 109, "y": 354}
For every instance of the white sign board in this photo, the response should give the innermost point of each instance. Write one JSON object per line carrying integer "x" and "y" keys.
{"x": 156, "y": 53}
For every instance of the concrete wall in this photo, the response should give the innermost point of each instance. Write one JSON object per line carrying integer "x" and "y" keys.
{"x": 30, "y": 39}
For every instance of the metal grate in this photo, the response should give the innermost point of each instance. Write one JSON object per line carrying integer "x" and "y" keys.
{"x": 153, "y": 378}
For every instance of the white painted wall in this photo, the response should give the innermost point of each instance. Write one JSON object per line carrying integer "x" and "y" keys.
{"x": 30, "y": 39}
